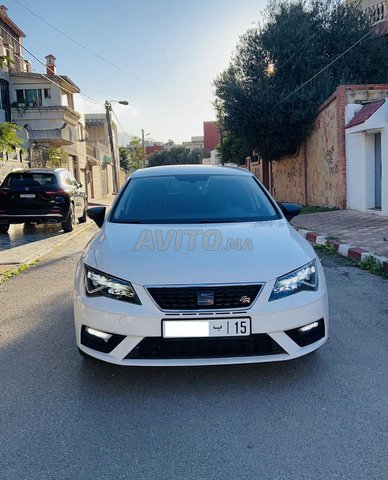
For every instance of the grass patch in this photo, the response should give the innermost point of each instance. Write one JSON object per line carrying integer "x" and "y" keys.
{"x": 371, "y": 266}
{"x": 17, "y": 271}
{"x": 329, "y": 249}
{"x": 312, "y": 209}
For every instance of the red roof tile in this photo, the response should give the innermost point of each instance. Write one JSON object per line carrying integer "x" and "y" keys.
{"x": 366, "y": 112}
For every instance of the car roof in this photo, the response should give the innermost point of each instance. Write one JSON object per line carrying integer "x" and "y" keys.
{"x": 189, "y": 170}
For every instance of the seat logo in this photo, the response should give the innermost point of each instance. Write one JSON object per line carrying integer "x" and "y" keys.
{"x": 27, "y": 189}
{"x": 245, "y": 300}
{"x": 205, "y": 299}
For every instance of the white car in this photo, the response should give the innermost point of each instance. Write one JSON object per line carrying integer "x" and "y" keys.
{"x": 198, "y": 265}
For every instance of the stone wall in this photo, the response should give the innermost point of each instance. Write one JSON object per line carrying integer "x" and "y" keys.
{"x": 7, "y": 166}
{"x": 312, "y": 175}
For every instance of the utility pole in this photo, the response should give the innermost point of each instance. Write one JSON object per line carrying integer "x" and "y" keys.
{"x": 108, "y": 109}
{"x": 115, "y": 160}
{"x": 143, "y": 145}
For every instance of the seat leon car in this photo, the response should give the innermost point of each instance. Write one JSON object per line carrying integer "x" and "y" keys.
{"x": 42, "y": 196}
{"x": 198, "y": 265}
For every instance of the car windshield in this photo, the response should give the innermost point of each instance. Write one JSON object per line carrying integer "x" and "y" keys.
{"x": 29, "y": 179}
{"x": 193, "y": 198}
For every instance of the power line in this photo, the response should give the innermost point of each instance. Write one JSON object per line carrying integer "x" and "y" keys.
{"x": 120, "y": 125}
{"x": 138, "y": 79}
{"x": 329, "y": 65}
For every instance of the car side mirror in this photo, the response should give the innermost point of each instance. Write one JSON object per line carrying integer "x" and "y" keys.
{"x": 97, "y": 214}
{"x": 290, "y": 210}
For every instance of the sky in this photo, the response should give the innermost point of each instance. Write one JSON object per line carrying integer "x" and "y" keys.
{"x": 168, "y": 53}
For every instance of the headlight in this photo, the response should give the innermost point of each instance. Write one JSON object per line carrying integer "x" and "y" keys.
{"x": 305, "y": 278}
{"x": 101, "y": 284}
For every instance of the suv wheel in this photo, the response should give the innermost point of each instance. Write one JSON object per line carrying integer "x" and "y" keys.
{"x": 69, "y": 225}
{"x": 83, "y": 218}
{"x": 4, "y": 228}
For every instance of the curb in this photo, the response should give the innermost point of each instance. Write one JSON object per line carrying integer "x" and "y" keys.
{"x": 47, "y": 249}
{"x": 349, "y": 251}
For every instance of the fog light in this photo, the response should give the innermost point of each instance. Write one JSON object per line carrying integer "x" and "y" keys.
{"x": 105, "y": 336}
{"x": 308, "y": 327}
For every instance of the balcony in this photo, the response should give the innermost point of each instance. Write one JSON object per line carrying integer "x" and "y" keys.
{"x": 22, "y": 111}
{"x": 377, "y": 12}
{"x": 55, "y": 126}
{"x": 57, "y": 137}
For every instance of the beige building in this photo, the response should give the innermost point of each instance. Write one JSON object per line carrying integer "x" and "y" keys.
{"x": 99, "y": 156}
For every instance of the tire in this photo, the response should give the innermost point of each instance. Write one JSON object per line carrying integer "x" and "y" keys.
{"x": 69, "y": 225}
{"x": 4, "y": 228}
{"x": 84, "y": 217}
{"x": 29, "y": 226}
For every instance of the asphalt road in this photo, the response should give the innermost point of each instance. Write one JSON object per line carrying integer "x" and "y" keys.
{"x": 324, "y": 416}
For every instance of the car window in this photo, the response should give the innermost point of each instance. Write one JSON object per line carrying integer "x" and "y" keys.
{"x": 27, "y": 179}
{"x": 193, "y": 199}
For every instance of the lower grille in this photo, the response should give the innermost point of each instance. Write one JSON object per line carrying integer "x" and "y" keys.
{"x": 192, "y": 298}
{"x": 161, "y": 348}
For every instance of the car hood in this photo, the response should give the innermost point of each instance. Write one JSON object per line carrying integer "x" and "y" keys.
{"x": 220, "y": 253}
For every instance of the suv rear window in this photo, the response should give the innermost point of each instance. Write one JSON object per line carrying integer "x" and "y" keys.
{"x": 25, "y": 179}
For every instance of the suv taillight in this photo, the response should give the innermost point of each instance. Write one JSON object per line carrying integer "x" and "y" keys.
{"x": 55, "y": 193}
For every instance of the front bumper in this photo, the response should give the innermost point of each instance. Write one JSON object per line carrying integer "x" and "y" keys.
{"x": 137, "y": 338}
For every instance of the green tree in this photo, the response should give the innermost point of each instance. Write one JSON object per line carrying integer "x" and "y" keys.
{"x": 178, "y": 156}
{"x": 258, "y": 97}
{"x": 9, "y": 139}
{"x": 125, "y": 161}
{"x": 233, "y": 149}
{"x": 136, "y": 154}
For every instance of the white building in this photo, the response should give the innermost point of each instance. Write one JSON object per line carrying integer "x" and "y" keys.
{"x": 367, "y": 156}
{"x": 44, "y": 107}
{"x": 195, "y": 143}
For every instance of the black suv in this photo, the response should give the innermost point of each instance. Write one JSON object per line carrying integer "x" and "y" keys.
{"x": 41, "y": 196}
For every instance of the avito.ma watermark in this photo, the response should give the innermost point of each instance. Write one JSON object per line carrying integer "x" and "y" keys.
{"x": 189, "y": 239}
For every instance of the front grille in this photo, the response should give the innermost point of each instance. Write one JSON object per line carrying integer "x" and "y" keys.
{"x": 187, "y": 298}
{"x": 162, "y": 348}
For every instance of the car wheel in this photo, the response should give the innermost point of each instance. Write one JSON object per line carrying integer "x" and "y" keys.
{"x": 29, "y": 226}
{"x": 83, "y": 218}
{"x": 4, "y": 228}
{"x": 69, "y": 225}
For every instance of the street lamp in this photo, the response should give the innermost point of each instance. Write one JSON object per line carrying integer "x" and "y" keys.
{"x": 115, "y": 165}
{"x": 143, "y": 145}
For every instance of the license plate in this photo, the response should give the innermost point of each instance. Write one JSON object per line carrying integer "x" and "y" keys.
{"x": 221, "y": 327}
{"x": 27, "y": 195}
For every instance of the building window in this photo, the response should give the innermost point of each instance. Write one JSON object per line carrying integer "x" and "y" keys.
{"x": 47, "y": 93}
{"x": 31, "y": 96}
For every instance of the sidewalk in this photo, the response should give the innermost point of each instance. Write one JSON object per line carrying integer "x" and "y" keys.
{"x": 356, "y": 235}
{"x": 22, "y": 246}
